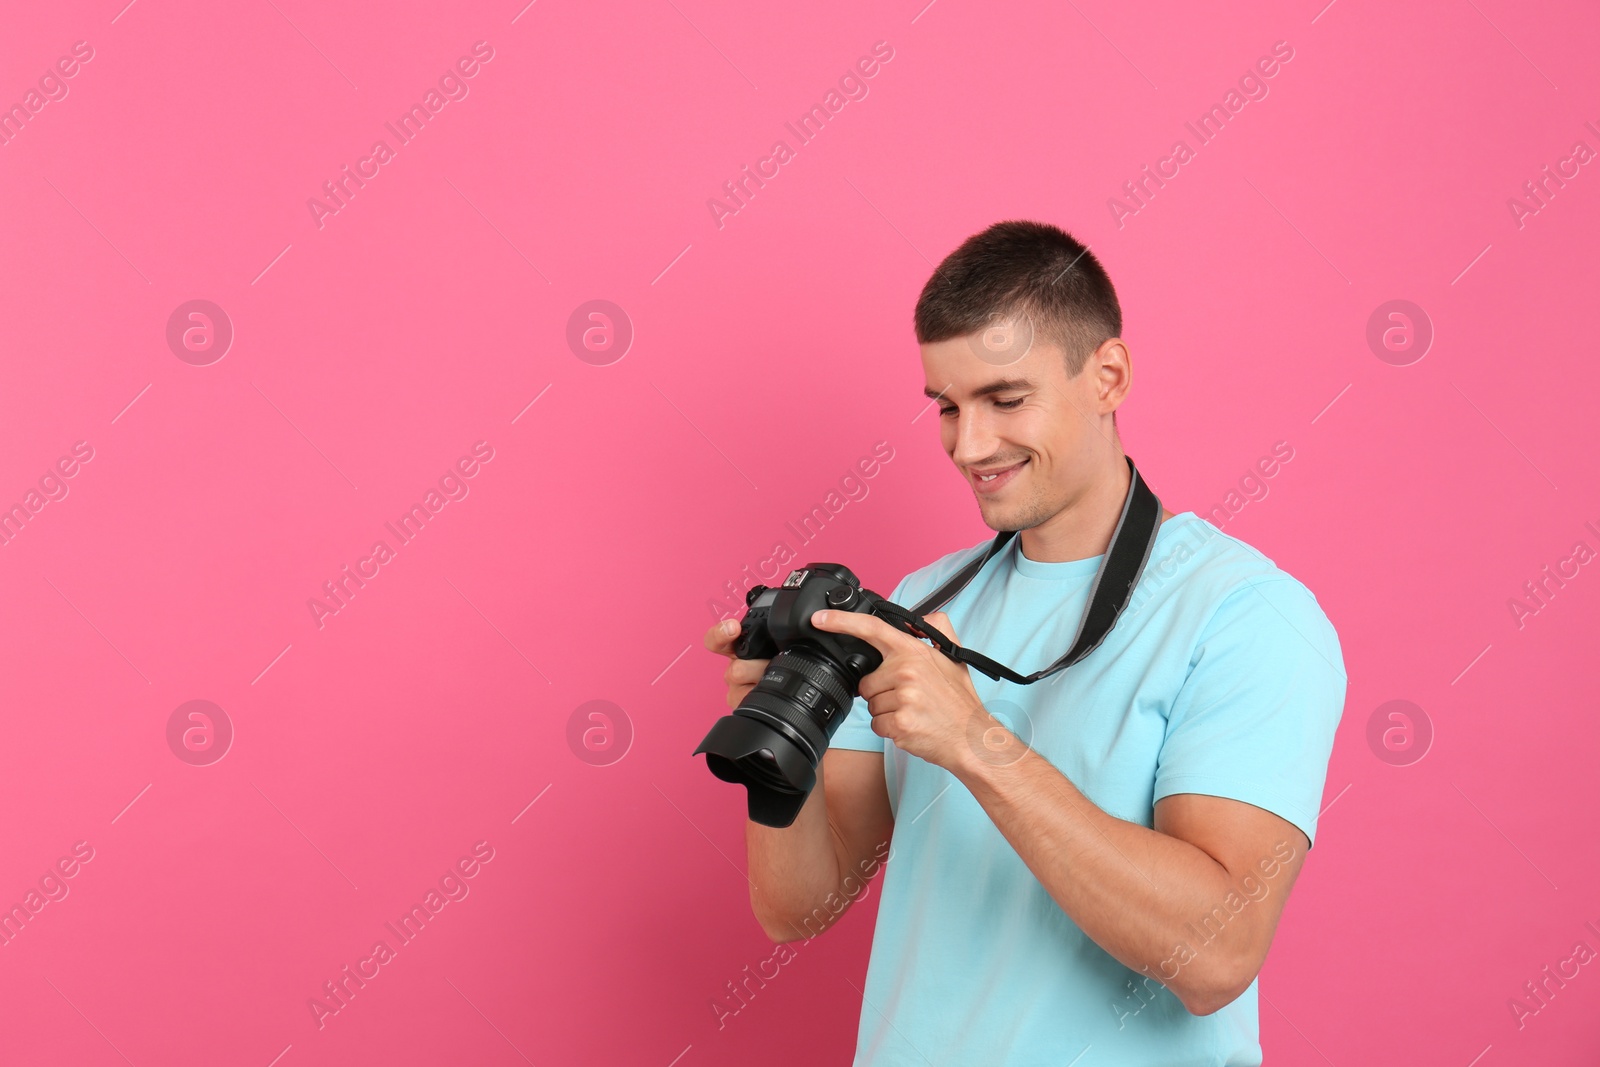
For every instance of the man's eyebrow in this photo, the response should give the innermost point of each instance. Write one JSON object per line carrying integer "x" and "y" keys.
{"x": 1004, "y": 385}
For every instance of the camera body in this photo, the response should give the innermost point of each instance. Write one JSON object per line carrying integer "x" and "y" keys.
{"x": 777, "y": 617}
{"x": 774, "y": 740}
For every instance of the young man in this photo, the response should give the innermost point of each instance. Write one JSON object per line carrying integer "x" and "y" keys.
{"x": 1092, "y": 865}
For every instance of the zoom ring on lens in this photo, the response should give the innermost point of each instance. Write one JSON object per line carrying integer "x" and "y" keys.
{"x": 818, "y": 673}
{"x": 780, "y": 698}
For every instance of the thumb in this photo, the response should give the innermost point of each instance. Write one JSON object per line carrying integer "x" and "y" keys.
{"x": 942, "y": 621}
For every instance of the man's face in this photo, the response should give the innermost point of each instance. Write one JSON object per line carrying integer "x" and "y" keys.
{"x": 1038, "y": 433}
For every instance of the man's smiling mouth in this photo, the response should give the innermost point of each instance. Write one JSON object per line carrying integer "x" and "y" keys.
{"x": 992, "y": 478}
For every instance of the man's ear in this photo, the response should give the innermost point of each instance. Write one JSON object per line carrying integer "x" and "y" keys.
{"x": 1112, "y": 366}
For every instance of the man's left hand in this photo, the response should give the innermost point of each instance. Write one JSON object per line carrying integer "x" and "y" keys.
{"x": 919, "y": 698}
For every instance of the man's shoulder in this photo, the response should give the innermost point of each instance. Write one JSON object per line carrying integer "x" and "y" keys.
{"x": 1209, "y": 562}
{"x": 1223, "y": 581}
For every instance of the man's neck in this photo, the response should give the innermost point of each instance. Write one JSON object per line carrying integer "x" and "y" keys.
{"x": 1083, "y": 529}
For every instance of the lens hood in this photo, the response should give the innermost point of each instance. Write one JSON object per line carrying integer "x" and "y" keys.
{"x": 774, "y": 771}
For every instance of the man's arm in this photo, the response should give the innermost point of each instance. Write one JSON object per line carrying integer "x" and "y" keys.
{"x": 1192, "y": 903}
{"x": 804, "y": 876}
{"x": 1172, "y": 902}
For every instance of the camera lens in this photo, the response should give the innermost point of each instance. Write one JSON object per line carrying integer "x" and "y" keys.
{"x": 772, "y": 742}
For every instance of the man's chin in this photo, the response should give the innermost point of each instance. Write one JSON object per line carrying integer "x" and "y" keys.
{"x": 1002, "y": 518}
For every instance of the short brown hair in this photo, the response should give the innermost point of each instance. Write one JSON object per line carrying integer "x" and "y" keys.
{"x": 1031, "y": 268}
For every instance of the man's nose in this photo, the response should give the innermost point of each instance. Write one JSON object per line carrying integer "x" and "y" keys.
{"x": 975, "y": 440}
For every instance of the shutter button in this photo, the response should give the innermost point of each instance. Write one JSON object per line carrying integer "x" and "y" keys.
{"x": 842, "y": 596}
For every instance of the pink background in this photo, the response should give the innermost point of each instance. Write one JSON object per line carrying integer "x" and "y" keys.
{"x": 372, "y": 752}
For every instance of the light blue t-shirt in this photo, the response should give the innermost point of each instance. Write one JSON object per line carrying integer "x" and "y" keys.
{"x": 1222, "y": 677}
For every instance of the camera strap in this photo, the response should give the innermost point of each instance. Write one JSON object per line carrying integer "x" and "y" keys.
{"x": 1119, "y": 571}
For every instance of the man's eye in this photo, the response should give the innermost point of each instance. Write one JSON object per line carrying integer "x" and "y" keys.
{"x": 947, "y": 411}
{"x": 1007, "y": 405}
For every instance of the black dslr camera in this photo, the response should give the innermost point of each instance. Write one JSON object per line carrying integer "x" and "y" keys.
{"x": 772, "y": 742}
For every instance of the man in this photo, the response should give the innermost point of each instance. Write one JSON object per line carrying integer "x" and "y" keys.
{"x": 1089, "y": 869}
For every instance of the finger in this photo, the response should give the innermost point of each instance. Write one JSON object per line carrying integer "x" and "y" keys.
{"x": 874, "y": 684}
{"x": 720, "y": 637}
{"x": 869, "y": 628}
{"x": 883, "y": 680}
{"x": 744, "y": 671}
{"x": 886, "y": 703}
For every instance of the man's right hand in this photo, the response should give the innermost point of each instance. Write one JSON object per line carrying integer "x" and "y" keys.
{"x": 742, "y": 674}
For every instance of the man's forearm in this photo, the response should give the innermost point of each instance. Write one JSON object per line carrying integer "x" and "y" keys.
{"x": 1133, "y": 890}
{"x": 794, "y": 868}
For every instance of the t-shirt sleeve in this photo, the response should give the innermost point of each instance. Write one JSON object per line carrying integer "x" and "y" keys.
{"x": 1254, "y": 720}
{"x": 856, "y": 730}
